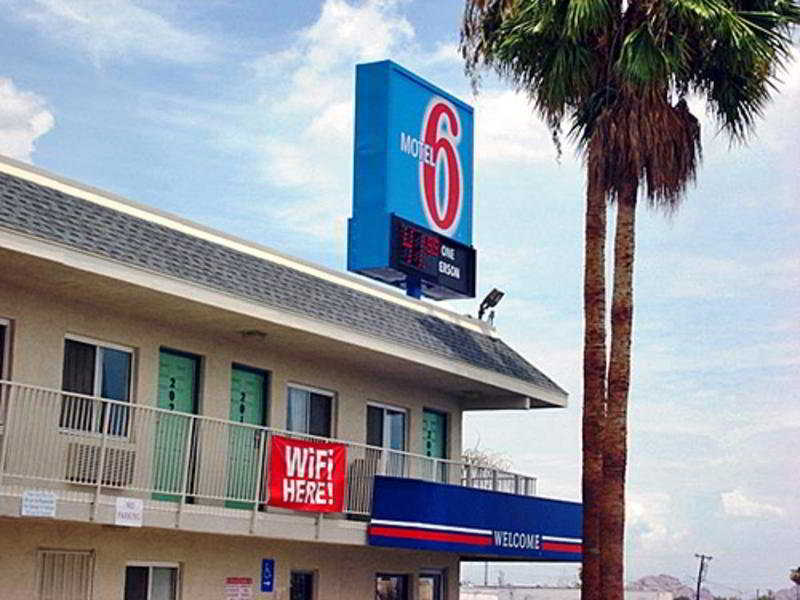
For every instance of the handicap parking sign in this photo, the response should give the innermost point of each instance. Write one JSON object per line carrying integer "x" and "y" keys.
{"x": 267, "y": 574}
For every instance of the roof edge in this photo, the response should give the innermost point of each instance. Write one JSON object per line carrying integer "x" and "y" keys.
{"x": 534, "y": 395}
{"x": 40, "y": 176}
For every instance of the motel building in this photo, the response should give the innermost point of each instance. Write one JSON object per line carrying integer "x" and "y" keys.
{"x": 188, "y": 415}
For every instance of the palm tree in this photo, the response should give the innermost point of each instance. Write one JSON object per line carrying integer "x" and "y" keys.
{"x": 618, "y": 75}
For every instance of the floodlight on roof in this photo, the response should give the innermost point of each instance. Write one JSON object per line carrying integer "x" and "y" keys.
{"x": 491, "y": 300}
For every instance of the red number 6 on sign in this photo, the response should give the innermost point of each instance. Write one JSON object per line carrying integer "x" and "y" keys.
{"x": 441, "y": 183}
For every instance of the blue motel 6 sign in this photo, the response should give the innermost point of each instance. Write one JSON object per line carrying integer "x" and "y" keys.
{"x": 412, "y": 187}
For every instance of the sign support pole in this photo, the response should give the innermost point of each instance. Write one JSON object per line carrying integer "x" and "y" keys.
{"x": 414, "y": 286}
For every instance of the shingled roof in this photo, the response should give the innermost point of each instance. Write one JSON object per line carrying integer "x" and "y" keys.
{"x": 52, "y": 215}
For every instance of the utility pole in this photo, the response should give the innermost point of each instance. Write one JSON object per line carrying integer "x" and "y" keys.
{"x": 704, "y": 558}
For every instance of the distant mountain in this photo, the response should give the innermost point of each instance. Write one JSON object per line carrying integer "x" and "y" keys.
{"x": 668, "y": 583}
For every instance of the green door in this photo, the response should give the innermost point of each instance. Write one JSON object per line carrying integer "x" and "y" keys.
{"x": 247, "y": 406}
{"x": 434, "y": 438}
{"x": 177, "y": 391}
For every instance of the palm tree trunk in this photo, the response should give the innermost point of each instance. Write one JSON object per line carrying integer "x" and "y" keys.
{"x": 615, "y": 430}
{"x": 594, "y": 380}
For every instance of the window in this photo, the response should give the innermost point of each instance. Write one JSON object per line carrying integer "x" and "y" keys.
{"x": 151, "y": 582}
{"x": 391, "y": 587}
{"x": 301, "y": 585}
{"x": 386, "y": 428}
{"x": 309, "y": 411}
{"x": 101, "y": 371}
{"x": 64, "y": 574}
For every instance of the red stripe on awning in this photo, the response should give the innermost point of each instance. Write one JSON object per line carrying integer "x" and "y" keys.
{"x": 433, "y": 536}
{"x": 562, "y": 547}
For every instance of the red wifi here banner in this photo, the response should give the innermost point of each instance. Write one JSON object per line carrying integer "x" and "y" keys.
{"x": 306, "y": 475}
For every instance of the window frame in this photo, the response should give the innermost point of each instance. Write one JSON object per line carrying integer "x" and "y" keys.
{"x": 97, "y": 429}
{"x": 332, "y": 395}
{"x": 41, "y": 553}
{"x": 150, "y": 565}
{"x": 385, "y": 424}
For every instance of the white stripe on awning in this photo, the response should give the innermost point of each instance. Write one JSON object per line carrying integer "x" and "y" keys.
{"x": 550, "y": 538}
{"x": 431, "y": 526}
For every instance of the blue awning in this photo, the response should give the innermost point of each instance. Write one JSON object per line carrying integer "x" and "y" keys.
{"x": 478, "y": 524}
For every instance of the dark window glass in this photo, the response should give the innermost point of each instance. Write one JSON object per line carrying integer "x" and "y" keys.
{"x": 374, "y": 426}
{"x": 136, "y": 583}
{"x": 302, "y": 586}
{"x": 79, "y": 360}
{"x": 78, "y": 377}
{"x": 319, "y": 422}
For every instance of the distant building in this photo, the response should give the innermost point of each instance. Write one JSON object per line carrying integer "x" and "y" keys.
{"x": 531, "y": 592}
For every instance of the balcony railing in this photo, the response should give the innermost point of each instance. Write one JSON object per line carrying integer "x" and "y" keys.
{"x": 66, "y": 441}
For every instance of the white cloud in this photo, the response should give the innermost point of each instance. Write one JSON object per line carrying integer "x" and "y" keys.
{"x": 24, "y": 118}
{"x": 113, "y": 29}
{"x": 736, "y": 504}
{"x": 653, "y": 521}
{"x": 699, "y": 276}
{"x": 445, "y": 52}
{"x": 306, "y": 103}
{"x": 507, "y": 132}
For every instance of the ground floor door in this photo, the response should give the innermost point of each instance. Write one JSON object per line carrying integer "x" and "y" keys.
{"x": 391, "y": 587}
{"x": 431, "y": 586}
{"x": 248, "y": 405}
{"x": 177, "y": 392}
{"x": 301, "y": 585}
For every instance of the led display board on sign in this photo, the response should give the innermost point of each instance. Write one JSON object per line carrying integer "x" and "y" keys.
{"x": 476, "y": 523}
{"x": 434, "y": 258}
{"x": 413, "y": 160}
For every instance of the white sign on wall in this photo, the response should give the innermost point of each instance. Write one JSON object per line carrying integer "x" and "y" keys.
{"x": 36, "y": 503}
{"x": 130, "y": 512}
{"x": 238, "y": 588}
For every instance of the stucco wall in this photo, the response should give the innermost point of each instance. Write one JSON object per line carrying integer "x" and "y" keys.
{"x": 342, "y": 572}
{"x": 40, "y": 323}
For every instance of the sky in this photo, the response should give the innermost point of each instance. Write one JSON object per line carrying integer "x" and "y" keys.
{"x": 238, "y": 114}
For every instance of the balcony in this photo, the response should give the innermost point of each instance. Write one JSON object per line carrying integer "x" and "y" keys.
{"x": 192, "y": 472}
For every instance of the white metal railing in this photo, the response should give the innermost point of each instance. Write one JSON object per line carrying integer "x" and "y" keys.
{"x": 52, "y": 438}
